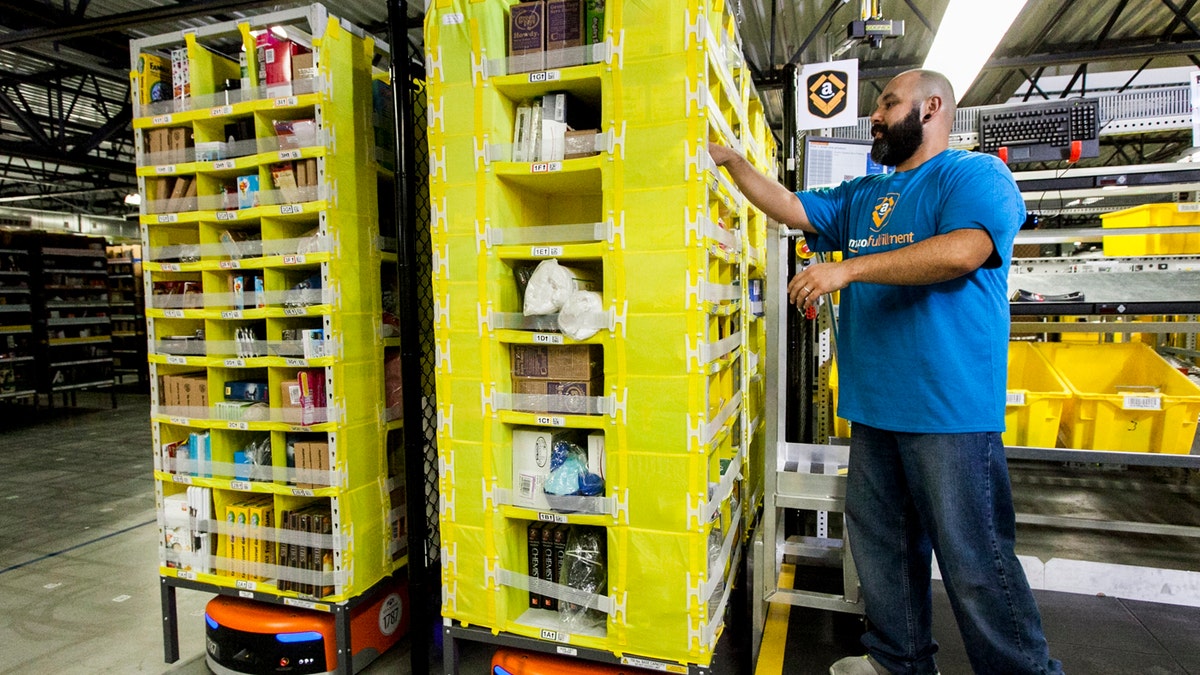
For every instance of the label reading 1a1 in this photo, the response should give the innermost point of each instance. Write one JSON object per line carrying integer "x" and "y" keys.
{"x": 546, "y": 251}
{"x": 547, "y": 339}
{"x": 548, "y": 634}
{"x": 551, "y": 421}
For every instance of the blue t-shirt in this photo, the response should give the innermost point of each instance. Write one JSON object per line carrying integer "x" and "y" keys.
{"x": 923, "y": 359}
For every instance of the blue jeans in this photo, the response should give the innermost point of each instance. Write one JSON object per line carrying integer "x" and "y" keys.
{"x": 910, "y": 494}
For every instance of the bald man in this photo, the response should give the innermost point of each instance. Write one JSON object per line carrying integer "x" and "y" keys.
{"x": 923, "y": 350}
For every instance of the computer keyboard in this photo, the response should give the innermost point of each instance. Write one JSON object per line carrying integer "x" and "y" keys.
{"x": 1041, "y": 132}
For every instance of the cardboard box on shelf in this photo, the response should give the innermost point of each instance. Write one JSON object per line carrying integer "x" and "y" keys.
{"x": 564, "y": 29}
{"x": 567, "y": 396}
{"x": 527, "y": 36}
{"x": 557, "y": 362}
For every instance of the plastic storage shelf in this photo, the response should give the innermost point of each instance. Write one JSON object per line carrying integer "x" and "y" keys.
{"x": 264, "y": 317}
{"x": 678, "y": 393}
{"x": 1151, "y": 215}
{"x": 1035, "y": 399}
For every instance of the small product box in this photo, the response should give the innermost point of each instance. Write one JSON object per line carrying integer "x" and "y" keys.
{"x": 247, "y": 191}
{"x": 595, "y": 453}
{"x": 531, "y": 465}
{"x": 210, "y": 151}
{"x": 564, "y": 30}
{"x": 314, "y": 343}
{"x": 527, "y": 36}
{"x": 570, "y": 397}
{"x": 557, "y": 362}
{"x": 247, "y": 390}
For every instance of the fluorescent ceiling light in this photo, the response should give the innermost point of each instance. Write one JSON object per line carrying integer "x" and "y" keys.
{"x": 133, "y": 199}
{"x": 967, "y": 36}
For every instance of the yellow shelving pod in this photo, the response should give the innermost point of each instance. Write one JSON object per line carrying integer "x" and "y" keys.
{"x": 673, "y": 248}
{"x": 262, "y": 273}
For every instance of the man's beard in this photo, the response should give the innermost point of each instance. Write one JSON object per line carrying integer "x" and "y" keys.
{"x": 898, "y": 142}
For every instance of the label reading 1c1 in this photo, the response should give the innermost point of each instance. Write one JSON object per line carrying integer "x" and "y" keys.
{"x": 187, "y": 575}
{"x": 551, "y": 421}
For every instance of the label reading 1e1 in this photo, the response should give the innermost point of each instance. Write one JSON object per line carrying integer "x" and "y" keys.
{"x": 546, "y": 251}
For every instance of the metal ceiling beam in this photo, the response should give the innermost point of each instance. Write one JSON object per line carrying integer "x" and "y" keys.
{"x": 24, "y": 151}
{"x": 119, "y": 123}
{"x": 1084, "y": 53}
{"x": 25, "y": 121}
{"x": 833, "y": 8}
{"x": 1182, "y": 15}
{"x": 118, "y": 22}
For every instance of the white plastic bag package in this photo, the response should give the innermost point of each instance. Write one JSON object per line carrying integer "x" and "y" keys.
{"x": 551, "y": 284}
{"x": 581, "y": 316}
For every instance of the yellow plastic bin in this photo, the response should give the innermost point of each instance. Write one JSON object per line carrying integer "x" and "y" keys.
{"x": 1126, "y": 398}
{"x": 1036, "y": 398}
{"x": 1152, "y": 215}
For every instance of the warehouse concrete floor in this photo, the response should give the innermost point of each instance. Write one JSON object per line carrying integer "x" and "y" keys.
{"x": 79, "y": 585}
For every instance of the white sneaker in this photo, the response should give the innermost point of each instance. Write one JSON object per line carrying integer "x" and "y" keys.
{"x": 857, "y": 665}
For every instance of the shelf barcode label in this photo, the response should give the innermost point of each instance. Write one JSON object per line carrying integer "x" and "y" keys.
{"x": 173, "y": 313}
{"x": 567, "y": 651}
{"x": 164, "y": 168}
{"x": 296, "y": 259}
{"x": 294, "y": 311}
{"x": 231, "y": 314}
{"x": 652, "y": 665}
{"x": 239, "y": 426}
{"x": 546, "y": 251}
{"x": 189, "y": 575}
{"x": 239, "y": 485}
{"x": 549, "y": 421}
{"x": 246, "y": 584}
{"x": 289, "y": 154}
{"x": 181, "y": 421}
{"x": 551, "y": 517}
{"x": 227, "y": 215}
{"x": 160, "y": 119}
{"x": 545, "y": 76}
{"x": 296, "y": 363}
{"x": 1015, "y": 398}
{"x": 169, "y": 218}
{"x": 182, "y": 480}
{"x": 547, "y": 339}
{"x": 285, "y": 101}
{"x": 302, "y": 492}
{"x": 220, "y": 111}
{"x": 1188, "y": 207}
{"x": 235, "y": 363}
{"x": 290, "y": 209}
{"x": 1142, "y": 402}
{"x": 224, "y": 164}
{"x": 452, "y": 19}
{"x": 170, "y": 267}
{"x": 231, "y": 264}
{"x": 306, "y": 604}
{"x": 545, "y": 167}
{"x": 177, "y": 360}
{"x": 246, "y": 594}
{"x": 549, "y": 634}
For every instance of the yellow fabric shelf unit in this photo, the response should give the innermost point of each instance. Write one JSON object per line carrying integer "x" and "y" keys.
{"x": 677, "y": 395}
{"x": 260, "y": 229}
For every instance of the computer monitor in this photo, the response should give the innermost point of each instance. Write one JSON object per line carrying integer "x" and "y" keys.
{"x": 829, "y": 161}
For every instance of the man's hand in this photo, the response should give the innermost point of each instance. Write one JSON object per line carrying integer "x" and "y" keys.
{"x": 721, "y": 155}
{"x": 816, "y": 280}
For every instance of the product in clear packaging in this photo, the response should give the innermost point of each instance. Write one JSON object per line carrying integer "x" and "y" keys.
{"x": 551, "y": 284}
{"x": 577, "y": 318}
{"x": 585, "y": 568}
